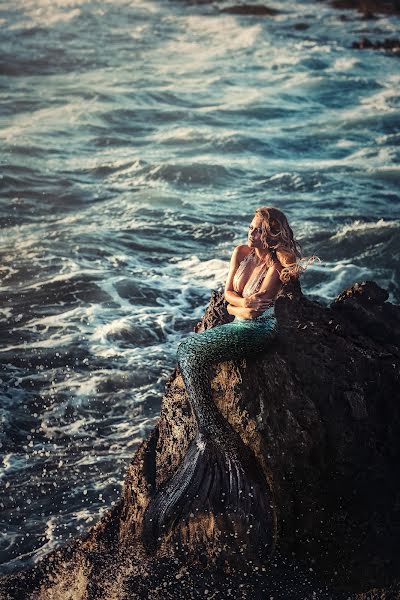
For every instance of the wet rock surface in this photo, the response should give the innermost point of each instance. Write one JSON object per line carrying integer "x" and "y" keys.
{"x": 320, "y": 412}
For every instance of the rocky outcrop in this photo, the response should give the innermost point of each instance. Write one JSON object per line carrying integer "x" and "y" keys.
{"x": 320, "y": 412}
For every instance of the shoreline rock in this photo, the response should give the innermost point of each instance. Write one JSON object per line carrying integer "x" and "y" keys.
{"x": 319, "y": 411}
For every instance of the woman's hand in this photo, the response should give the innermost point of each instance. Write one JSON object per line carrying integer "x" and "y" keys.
{"x": 255, "y": 312}
{"x": 244, "y": 313}
{"x": 258, "y": 302}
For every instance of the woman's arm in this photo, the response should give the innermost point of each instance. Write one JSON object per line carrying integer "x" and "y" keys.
{"x": 245, "y": 313}
{"x": 268, "y": 290}
{"x": 271, "y": 283}
{"x": 231, "y": 296}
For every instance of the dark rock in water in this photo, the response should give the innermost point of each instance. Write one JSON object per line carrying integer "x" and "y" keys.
{"x": 320, "y": 412}
{"x": 363, "y": 43}
{"x": 301, "y": 26}
{"x": 392, "y": 45}
{"x": 129, "y": 334}
{"x": 259, "y": 10}
{"x": 369, "y": 7}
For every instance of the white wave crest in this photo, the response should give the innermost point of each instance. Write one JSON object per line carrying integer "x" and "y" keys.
{"x": 359, "y": 226}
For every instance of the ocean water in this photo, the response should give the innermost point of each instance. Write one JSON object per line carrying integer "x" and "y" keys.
{"x": 137, "y": 138}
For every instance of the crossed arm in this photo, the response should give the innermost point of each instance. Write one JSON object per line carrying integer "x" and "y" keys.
{"x": 252, "y": 306}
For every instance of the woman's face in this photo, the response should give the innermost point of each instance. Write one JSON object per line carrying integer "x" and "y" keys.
{"x": 254, "y": 233}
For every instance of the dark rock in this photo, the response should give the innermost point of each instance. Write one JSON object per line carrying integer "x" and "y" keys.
{"x": 369, "y": 16}
{"x": 388, "y": 44}
{"x": 320, "y": 411}
{"x": 215, "y": 313}
{"x": 364, "y": 305}
{"x": 363, "y": 43}
{"x": 366, "y": 293}
{"x": 369, "y": 7}
{"x": 259, "y": 10}
{"x": 301, "y": 26}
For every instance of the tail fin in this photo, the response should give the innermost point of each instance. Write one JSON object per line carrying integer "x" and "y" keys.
{"x": 219, "y": 482}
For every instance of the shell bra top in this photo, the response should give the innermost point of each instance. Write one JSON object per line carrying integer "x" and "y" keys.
{"x": 254, "y": 283}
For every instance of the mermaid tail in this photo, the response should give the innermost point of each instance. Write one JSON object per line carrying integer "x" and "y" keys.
{"x": 213, "y": 480}
{"x": 219, "y": 474}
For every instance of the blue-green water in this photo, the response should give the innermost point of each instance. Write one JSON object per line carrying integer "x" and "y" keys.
{"x": 137, "y": 140}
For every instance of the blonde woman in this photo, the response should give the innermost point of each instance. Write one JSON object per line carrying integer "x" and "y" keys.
{"x": 219, "y": 474}
{"x": 258, "y": 270}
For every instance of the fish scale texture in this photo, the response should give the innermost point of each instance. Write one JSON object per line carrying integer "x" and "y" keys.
{"x": 219, "y": 474}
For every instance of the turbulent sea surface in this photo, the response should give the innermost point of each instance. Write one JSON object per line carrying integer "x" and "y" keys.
{"x": 137, "y": 139}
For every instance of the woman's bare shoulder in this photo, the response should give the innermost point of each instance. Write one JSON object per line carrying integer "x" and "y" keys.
{"x": 241, "y": 251}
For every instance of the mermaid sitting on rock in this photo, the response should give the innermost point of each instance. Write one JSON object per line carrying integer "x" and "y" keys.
{"x": 219, "y": 474}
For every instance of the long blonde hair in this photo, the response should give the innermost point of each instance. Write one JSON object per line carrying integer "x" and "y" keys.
{"x": 277, "y": 235}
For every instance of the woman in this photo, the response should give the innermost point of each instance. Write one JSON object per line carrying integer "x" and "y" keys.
{"x": 258, "y": 270}
{"x": 219, "y": 474}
